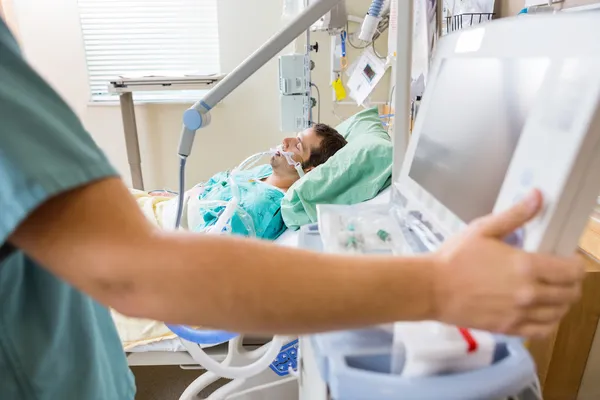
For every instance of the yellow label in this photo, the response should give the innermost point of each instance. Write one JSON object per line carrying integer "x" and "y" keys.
{"x": 338, "y": 87}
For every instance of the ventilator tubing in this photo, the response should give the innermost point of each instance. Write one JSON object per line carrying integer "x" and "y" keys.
{"x": 242, "y": 372}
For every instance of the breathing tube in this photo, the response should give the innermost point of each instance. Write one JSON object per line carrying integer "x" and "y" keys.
{"x": 182, "y": 161}
{"x": 233, "y": 205}
{"x": 375, "y": 8}
{"x": 288, "y": 157}
{"x": 371, "y": 21}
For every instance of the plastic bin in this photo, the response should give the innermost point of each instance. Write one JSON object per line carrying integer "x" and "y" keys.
{"x": 356, "y": 366}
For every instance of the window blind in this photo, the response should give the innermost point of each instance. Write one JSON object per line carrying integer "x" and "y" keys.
{"x": 148, "y": 37}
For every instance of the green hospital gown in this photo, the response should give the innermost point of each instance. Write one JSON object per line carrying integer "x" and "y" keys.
{"x": 261, "y": 201}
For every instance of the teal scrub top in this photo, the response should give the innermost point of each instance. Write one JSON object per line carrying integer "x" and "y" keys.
{"x": 55, "y": 342}
{"x": 260, "y": 201}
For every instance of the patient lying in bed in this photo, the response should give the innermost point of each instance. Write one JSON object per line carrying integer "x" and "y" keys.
{"x": 261, "y": 189}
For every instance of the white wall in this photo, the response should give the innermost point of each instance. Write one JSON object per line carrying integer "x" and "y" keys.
{"x": 246, "y": 122}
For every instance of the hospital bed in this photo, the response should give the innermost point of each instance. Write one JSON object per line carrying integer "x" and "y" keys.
{"x": 356, "y": 365}
{"x": 150, "y": 342}
{"x": 169, "y": 350}
{"x": 347, "y": 366}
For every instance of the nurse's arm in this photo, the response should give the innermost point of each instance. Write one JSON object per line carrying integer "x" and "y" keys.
{"x": 97, "y": 239}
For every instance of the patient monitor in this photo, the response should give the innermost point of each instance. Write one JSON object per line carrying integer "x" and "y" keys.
{"x": 499, "y": 118}
{"x": 509, "y": 106}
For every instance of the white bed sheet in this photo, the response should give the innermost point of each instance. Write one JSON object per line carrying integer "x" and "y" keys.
{"x": 289, "y": 238}
{"x": 167, "y": 345}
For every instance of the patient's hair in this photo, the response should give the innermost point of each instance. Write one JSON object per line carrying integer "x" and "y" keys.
{"x": 331, "y": 142}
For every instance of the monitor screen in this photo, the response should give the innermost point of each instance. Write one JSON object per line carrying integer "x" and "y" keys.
{"x": 369, "y": 72}
{"x": 474, "y": 118}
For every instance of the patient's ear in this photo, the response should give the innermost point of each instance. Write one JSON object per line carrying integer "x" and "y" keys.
{"x": 308, "y": 169}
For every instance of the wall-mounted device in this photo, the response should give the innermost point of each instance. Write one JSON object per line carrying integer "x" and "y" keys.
{"x": 334, "y": 21}
{"x": 294, "y": 115}
{"x": 368, "y": 71}
{"x": 294, "y": 92}
{"x": 292, "y": 75}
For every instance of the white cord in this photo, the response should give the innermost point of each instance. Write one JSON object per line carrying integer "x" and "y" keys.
{"x": 318, "y": 102}
{"x": 262, "y": 387}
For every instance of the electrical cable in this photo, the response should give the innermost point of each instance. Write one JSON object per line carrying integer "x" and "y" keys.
{"x": 182, "y": 163}
{"x": 383, "y": 24}
{"x": 349, "y": 40}
{"x": 375, "y": 51}
{"x": 318, "y": 102}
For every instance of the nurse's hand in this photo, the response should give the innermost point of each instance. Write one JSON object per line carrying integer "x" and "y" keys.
{"x": 483, "y": 283}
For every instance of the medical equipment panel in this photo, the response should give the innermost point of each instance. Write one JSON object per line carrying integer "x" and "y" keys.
{"x": 368, "y": 70}
{"x": 559, "y": 153}
{"x": 334, "y": 21}
{"x": 491, "y": 99}
{"x": 292, "y": 77}
{"x": 509, "y": 106}
{"x": 294, "y": 117}
{"x": 497, "y": 120}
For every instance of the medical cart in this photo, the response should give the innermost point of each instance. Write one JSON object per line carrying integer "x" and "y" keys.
{"x": 355, "y": 365}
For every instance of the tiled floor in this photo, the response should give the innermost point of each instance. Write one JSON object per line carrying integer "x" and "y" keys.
{"x": 166, "y": 382}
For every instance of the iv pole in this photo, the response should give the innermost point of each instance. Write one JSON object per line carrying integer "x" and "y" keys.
{"x": 402, "y": 69}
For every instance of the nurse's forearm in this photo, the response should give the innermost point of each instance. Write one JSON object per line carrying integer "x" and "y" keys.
{"x": 97, "y": 239}
{"x": 250, "y": 286}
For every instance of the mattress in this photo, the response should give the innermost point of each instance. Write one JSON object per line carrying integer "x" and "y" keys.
{"x": 159, "y": 338}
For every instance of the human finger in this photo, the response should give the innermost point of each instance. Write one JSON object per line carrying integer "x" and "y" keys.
{"x": 541, "y": 294}
{"x": 536, "y": 330}
{"x": 503, "y": 223}
{"x": 547, "y": 314}
{"x": 557, "y": 271}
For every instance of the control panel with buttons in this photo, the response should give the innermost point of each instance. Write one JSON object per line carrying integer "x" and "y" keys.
{"x": 286, "y": 359}
{"x": 556, "y": 154}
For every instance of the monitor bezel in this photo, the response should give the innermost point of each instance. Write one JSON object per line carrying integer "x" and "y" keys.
{"x": 541, "y": 37}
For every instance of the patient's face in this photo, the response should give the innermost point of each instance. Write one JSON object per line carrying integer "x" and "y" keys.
{"x": 301, "y": 146}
